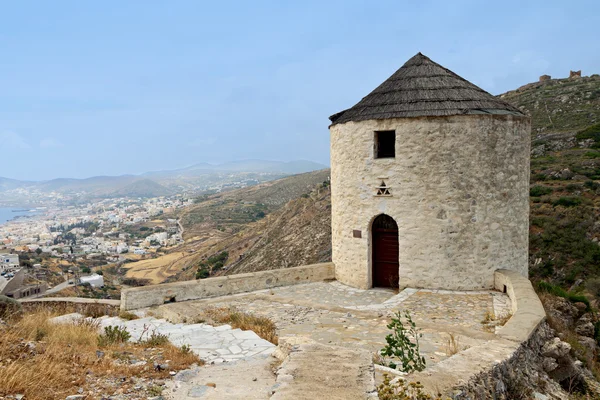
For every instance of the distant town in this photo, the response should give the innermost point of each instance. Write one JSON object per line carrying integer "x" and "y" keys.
{"x": 101, "y": 231}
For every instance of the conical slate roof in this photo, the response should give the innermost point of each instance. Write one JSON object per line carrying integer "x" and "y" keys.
{"x": 423, "y": 88}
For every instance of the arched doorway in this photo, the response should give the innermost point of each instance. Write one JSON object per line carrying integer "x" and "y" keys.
{"x": 385, "y": 251}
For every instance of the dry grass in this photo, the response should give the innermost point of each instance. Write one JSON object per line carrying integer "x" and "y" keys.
{"x": 263, "y": 327}
{"x": 50, "y": 361}
{"x": 55, "y": 308}
{"x": 452, "y": 344}
{"x": 491, "y": 321}
{"x": 128, "y": 316}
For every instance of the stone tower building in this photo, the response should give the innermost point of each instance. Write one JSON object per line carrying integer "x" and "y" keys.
{"x": 430, "y": 183}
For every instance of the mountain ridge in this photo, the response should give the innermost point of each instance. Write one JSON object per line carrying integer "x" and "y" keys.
{"x": 161, "y": 183}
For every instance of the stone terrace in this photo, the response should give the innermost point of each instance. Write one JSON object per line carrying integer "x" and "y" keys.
{"x": 331, "y": 313}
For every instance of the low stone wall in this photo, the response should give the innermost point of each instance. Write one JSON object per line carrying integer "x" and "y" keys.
{"x": 527, "y": 309}
{"x": 66, "y": 305}
{"x": 154, "y": 295}
{"x": 457, "y": 375}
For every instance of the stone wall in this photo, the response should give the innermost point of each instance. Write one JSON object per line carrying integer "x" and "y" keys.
{"x": 460, "y": 197}
{"x": 147, "y": 296}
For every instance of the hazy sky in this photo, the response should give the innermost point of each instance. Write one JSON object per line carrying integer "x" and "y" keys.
{"x": 114, "y": 87}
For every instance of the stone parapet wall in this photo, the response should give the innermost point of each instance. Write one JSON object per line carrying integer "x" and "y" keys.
{"x": 464, "y": 373}
{"x": 154, "y": 295}
{"x": 527, "y": 309}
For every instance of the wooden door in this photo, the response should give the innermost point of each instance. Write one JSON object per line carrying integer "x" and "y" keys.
{"x": 385, "y": 252}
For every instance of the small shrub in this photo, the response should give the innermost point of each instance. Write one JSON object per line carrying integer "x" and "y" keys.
{"x": 218, "y": 266}
{"x": 126, "y": 315}
{"x": 403, "y": 390}
{"x": 591, "y": 132}
{"x": 592, "y": 154}
{"x": 113, "y": 335}
{"x": 538, "y": 191}
{"x": 40, "y": 334}
{"x": 591, "y": 185}
{"x": 567, "y": 202}
{"x": 202, "y": 274}
{"x": 403, "y": 345}
{"x": 156, "y": 339}
{"x": 572, "y": 187}
{"x": 136, "y": 282}
{"x": 560, "y": 292}
{"x": 185, "y": 349}
{"x": 155, "y": 390}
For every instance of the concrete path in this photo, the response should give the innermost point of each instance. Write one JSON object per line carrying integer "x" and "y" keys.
{"x": 314, "y": 371}
{"x": 212, "y": 344}
{"x": 251, "y": 379}
{"x": 60, "y": 286}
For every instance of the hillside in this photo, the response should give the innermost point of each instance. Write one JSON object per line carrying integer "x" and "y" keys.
{"x": 141, "y": 188}
{"x": 299, "y": 233}
{"x": 565, "y": 168}
{"x": 229, "y": 211}
{"x": 260, "y": 223}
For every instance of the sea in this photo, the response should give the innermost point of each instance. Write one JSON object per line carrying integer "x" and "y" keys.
{"x": 6, "y": 214}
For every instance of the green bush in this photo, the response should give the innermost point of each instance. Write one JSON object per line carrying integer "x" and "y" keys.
{"x": 218, "y": 266}
{"x": 567, "y": 202}
{"x": 403, "y": 345}
{"x": 156, "y": 339}
{"x": 560, "y": 292}
{"x": 592, "y": 154}
{"x": 113, "y": 335}
{"x": 593, "y": 285}
{"x": 202, "y": 274}
{"x": 591, "y": 185}
{"x": 572, "y": 187}
{"x": 538, "y": 191}
{"x": 591, "y": 132}
{"x": 9, "y": 308}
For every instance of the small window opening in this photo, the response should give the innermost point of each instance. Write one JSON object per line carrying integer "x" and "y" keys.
{"x": 385, "y": 144}
{"x": 170, "y": 300}
{"x": 504, "y": 291}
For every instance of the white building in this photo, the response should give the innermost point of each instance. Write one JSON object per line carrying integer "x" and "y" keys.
{"x": 8, "y": 261}
{"x": 94, "y": 280}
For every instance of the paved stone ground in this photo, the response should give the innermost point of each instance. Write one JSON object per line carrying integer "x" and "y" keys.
{"x": 331, "y": 313}
{"x": 250, "y": 378}
{"x": 212, "y": 344}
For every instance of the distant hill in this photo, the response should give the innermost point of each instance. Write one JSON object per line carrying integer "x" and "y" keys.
{"x": 158, "y": 183}
{"x": 7, "y": 184}
{"x": 291, "y": 167}
{"x": 141, "y": 188}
